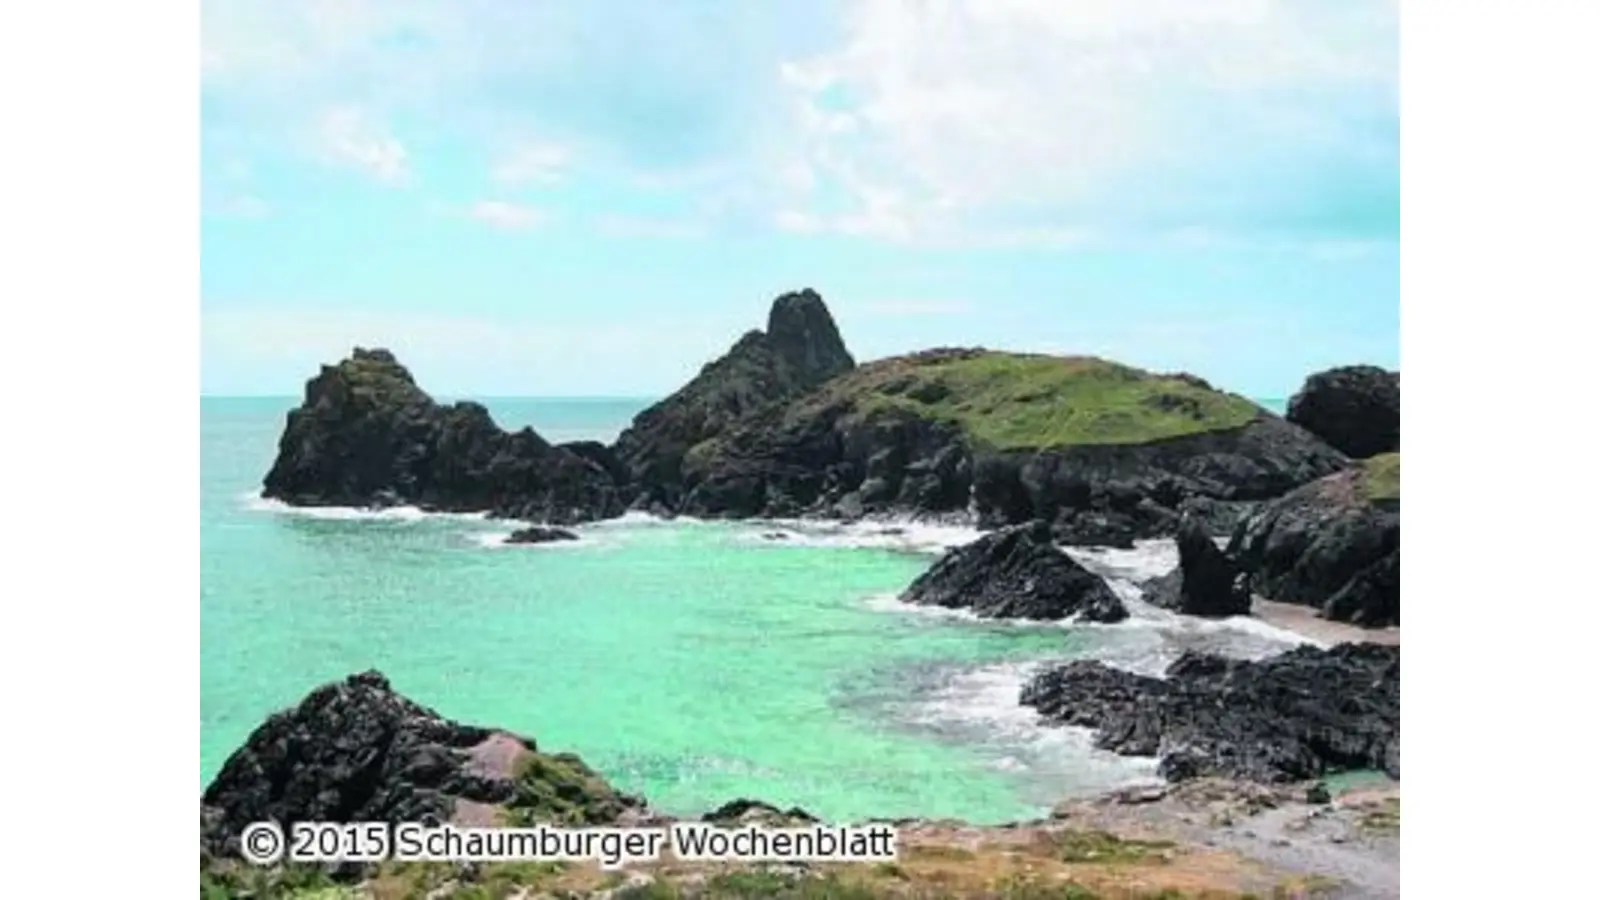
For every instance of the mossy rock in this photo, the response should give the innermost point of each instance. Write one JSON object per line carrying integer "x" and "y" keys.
{"x": 560, "y": 789}
{"x": 1382, "y": 474}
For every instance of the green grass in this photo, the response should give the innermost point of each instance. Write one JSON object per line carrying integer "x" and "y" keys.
{"x": 1026, "y": 401}
{"x": 559, "y": 789}
{"x": 1383, "y": 476}
{"x": 1102, "y": 847}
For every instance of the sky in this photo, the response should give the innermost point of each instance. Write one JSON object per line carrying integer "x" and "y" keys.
{"x": 553, "y": 198}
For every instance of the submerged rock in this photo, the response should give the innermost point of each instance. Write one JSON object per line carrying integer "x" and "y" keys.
{"x": 356, "y": 751}
{"x": 1354, "y": 408}
{"x": 1292, "y": 717}
{"x": 1333, "y": 544}
{"x": 1205, "y": 583}
{"x": 1016, "y": 573}
{"x": 540, "y": 534}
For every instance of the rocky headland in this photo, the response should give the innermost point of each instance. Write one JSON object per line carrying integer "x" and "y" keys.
{"x": 1104, "y": 452}
{"x": 787, "y": 424}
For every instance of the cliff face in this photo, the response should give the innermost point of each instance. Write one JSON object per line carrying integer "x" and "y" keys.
{"x": 800, "y": 349}
{"x": 367, "y": 435}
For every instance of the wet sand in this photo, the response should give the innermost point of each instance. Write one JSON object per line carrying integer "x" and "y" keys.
{"x": 1303, "y": 620}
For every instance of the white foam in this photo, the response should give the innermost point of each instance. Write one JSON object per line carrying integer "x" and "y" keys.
{"x": 925, "y": 536}
{"x": 981, "y": 706}
{"x": 257, "y": 503}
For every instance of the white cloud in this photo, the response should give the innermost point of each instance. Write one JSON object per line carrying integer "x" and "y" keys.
{"x": 506, "y": 216}
{"x": 533, "y": 164}
{"x": 348, "y": 136}
{"x": 935, "y": 112}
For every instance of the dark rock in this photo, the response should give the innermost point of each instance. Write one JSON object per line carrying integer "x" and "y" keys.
{"x": 743, "y": 810}
{"x": 1206, "y": 582}
{"x": 1016, "y": 573}
{"x": 1354, "y": 408}
{"x": 540, "y": 534}
{"x": 366, "y": 435}
{"x": 851, "y": 448}
{"x": 1318, "y": 793}
{"x": 355, "y": 751}
{"x": 1326, "y": 545}
{"x": 1292, "y": 717}
{"x": 800, "y": 349}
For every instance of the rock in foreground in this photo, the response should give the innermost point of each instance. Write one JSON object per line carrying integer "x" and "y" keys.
{"x": 1333, "y": 545}
{"x": 355, "y": 751}
{"x": 540, "y": 534}
{"x": 366, "y": 435}
{"x": 1016, "y": 573}
{"x": 1292, "y": 717}
{"x": 1354, "y": 408}
{"x": 1205, "y": 583}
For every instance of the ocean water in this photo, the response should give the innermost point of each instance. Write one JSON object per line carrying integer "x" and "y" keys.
{"x": 691, "y": 662}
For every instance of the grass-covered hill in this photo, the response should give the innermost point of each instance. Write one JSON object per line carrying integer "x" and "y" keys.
{"x": 1014, "y": 401}
{"x": 1107, "y": 451}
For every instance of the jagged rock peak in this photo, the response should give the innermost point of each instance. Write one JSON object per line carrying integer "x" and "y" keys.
{"x": 802, "y": 332}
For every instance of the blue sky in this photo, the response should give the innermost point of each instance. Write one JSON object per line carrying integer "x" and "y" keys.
{"x": 596, "y": 198}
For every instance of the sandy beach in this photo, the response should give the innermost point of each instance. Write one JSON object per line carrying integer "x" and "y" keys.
{"x": 1304, "y": 621}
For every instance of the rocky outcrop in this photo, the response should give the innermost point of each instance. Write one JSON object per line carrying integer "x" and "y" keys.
{"x": 1016, "y": 573}
{"x": 1205, "y": 583}
{"x": 1105, "y": 453}
{"x": 800, "y": 349}
{"x": 367, "y": 435}
{"x": 540, "y": 534}
{"x": 356, "y": 751}
{"x": 1292, "y": 717}
{"x": 1354, "y": 408}
{"x": 1333, "y": 544}
{"x": 756, "y": 812}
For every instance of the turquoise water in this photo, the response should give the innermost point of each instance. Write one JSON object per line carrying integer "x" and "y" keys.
{"x": 690, "y": 662}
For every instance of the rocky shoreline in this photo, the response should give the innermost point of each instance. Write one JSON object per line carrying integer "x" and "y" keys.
{"x": 1271, "y": 515}
{"x": 787, "y": 424}
{"x": 355, "y": 750}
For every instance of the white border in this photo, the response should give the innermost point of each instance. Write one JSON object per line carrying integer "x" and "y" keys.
{"x": 99, "y": 622}
{"x": 100, "y": 675}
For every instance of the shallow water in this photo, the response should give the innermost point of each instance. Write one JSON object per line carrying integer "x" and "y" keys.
{"x": 690, "y": 662}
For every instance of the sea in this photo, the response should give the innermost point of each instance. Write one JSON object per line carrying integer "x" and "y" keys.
{"x": 690, "y": 662}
